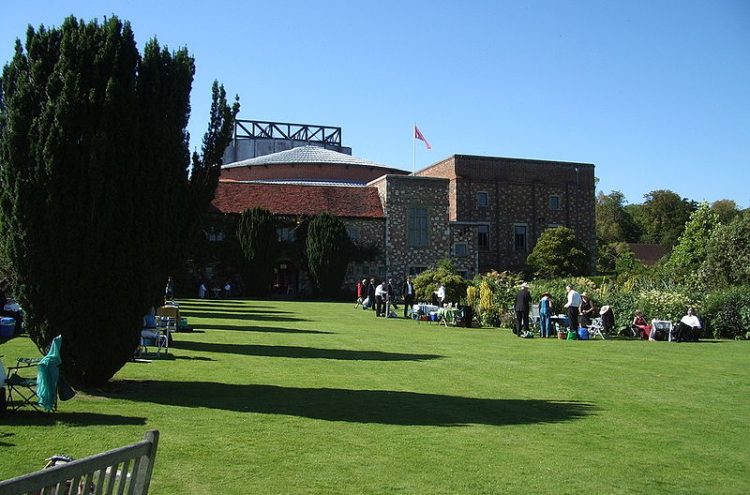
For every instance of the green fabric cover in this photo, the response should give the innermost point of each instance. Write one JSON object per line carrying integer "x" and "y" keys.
{"x": 47, "y": 375}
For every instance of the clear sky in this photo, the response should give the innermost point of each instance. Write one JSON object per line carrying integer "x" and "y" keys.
{"x": 655, "y": 93}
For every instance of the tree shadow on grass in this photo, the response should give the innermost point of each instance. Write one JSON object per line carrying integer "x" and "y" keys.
{"x": 6, "y": 435}
{"x": 304, "y": 352}
{"x": 242, "y": 328}
{"x": 35, "y": 418}
{"x": 355, "y": 406}
{"x": 236, "y": 316}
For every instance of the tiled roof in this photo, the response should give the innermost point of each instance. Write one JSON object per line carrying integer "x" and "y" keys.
{"x": 297, "y": 199}
{"x": 306, "y": 154}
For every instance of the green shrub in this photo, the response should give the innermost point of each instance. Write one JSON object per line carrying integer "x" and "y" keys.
{"x": 726, "y": 313}
{"x": 427, "y": 282}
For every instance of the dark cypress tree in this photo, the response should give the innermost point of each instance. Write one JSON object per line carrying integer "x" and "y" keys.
{"x": 94, "y": 185}
{"x": 256, "y": 233}
{"x": 328, "y": 250}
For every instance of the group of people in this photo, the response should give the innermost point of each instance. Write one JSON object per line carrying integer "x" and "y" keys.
{"x": 382, "y": 298}
{"x": 579, "y": 308}
{"x": 688, "y": 329}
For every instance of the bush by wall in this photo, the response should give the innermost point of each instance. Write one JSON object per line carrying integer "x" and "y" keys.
{"x": 726, "y": 313}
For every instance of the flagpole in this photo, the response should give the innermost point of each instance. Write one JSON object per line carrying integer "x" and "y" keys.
{"x": 413, "y": 148}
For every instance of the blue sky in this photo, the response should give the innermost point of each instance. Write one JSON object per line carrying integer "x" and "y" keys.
{"x": 655, "y": 93}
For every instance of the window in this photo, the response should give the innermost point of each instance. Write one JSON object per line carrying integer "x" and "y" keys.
{"x": 460, "y": 249}
{"x": 353, "y": 233}
{"x": 417, "y": 226}
{"x": 416, "y": 270}
{"x": 483, "y": 237}
{"x": 554, "y": 202}
{"x": 519, "y": 237}
{"x": 482, "y": 199}
{"x": 214, "y": 235}
{"x": 285, "y": 234}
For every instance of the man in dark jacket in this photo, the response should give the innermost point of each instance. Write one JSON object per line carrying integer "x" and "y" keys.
{"x": 407, "y": 290}
{"x": 522, "y": 307}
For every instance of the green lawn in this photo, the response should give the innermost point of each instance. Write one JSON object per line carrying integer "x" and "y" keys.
{"x": 318, "y": 398}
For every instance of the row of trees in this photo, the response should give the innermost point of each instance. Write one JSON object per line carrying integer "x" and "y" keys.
{"x": 99, "y": 197}
{"x": 320, "y": 242}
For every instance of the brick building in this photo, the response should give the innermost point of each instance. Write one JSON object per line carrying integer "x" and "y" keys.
{"x": 483, "y": 213}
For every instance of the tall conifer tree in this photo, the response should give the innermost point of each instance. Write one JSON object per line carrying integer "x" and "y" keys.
{"x": 95, "y": 193}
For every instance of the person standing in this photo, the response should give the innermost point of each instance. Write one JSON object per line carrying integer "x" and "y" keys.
{"x": 360, "y": 287}
{"x": 545, "y": 312}
{"x": 391, "y": 298}
{"x": 408, "y": 292}
{"x": 202, "y": 291}
{"x": 380, "y": 296}
{"x": 573, "y": 305}
{"x": 522, "y": 306}
{"x": 370, "y": 294}
{"x": 440, "y": 295}
{"x": 169, "y": 289}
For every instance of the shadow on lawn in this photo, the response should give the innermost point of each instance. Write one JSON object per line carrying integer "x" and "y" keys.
{"x": 211, "y": 326}
{"x": 355, "y": 406}
{"x": 304, "y": 352}
{"x": 244, "y": 315}
{"x": 234, "y": 309}
{"x": 35, "y": 418}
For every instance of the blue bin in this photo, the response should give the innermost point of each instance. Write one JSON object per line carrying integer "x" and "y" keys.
{"x": 7, "y": 327}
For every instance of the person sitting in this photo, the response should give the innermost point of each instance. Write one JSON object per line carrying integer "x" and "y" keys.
{"x": 608, "y": 318}
{"x": 641, "y": 328}
{"x": 689, "y": 327}
{"x": 10, "y": 308}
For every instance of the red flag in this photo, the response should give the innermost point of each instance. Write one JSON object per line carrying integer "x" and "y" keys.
{"x": 418, "y": 135}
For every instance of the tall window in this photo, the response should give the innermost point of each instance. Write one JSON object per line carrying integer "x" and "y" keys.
{"x": 353, "y": 233}
{"x": 483, "y": 237}
{"x": 482, "y": 199}
{"x": 417, "y": 226}
{"x": 416, "y": 270}
{"x": 285, "y": 234}
{"x": 554, "y": 202}
{"x": 519, "y": 237}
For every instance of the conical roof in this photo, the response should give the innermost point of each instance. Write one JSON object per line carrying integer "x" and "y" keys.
{"x": 306, "y": 154}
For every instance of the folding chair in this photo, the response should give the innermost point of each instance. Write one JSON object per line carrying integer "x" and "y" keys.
{"x": 595, "y": 328}
{"x": 39, "y": 392}
{"x": 21, "y": 386}
{"x": 157, "y": 338}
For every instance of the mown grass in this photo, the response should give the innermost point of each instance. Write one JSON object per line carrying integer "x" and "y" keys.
{"x": 318, "y": 398}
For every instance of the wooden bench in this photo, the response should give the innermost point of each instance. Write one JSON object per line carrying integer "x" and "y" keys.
{"x": 125, "y": 470}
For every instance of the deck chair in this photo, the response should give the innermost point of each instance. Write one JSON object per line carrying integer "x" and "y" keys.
{"x": 535, "y": 319}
